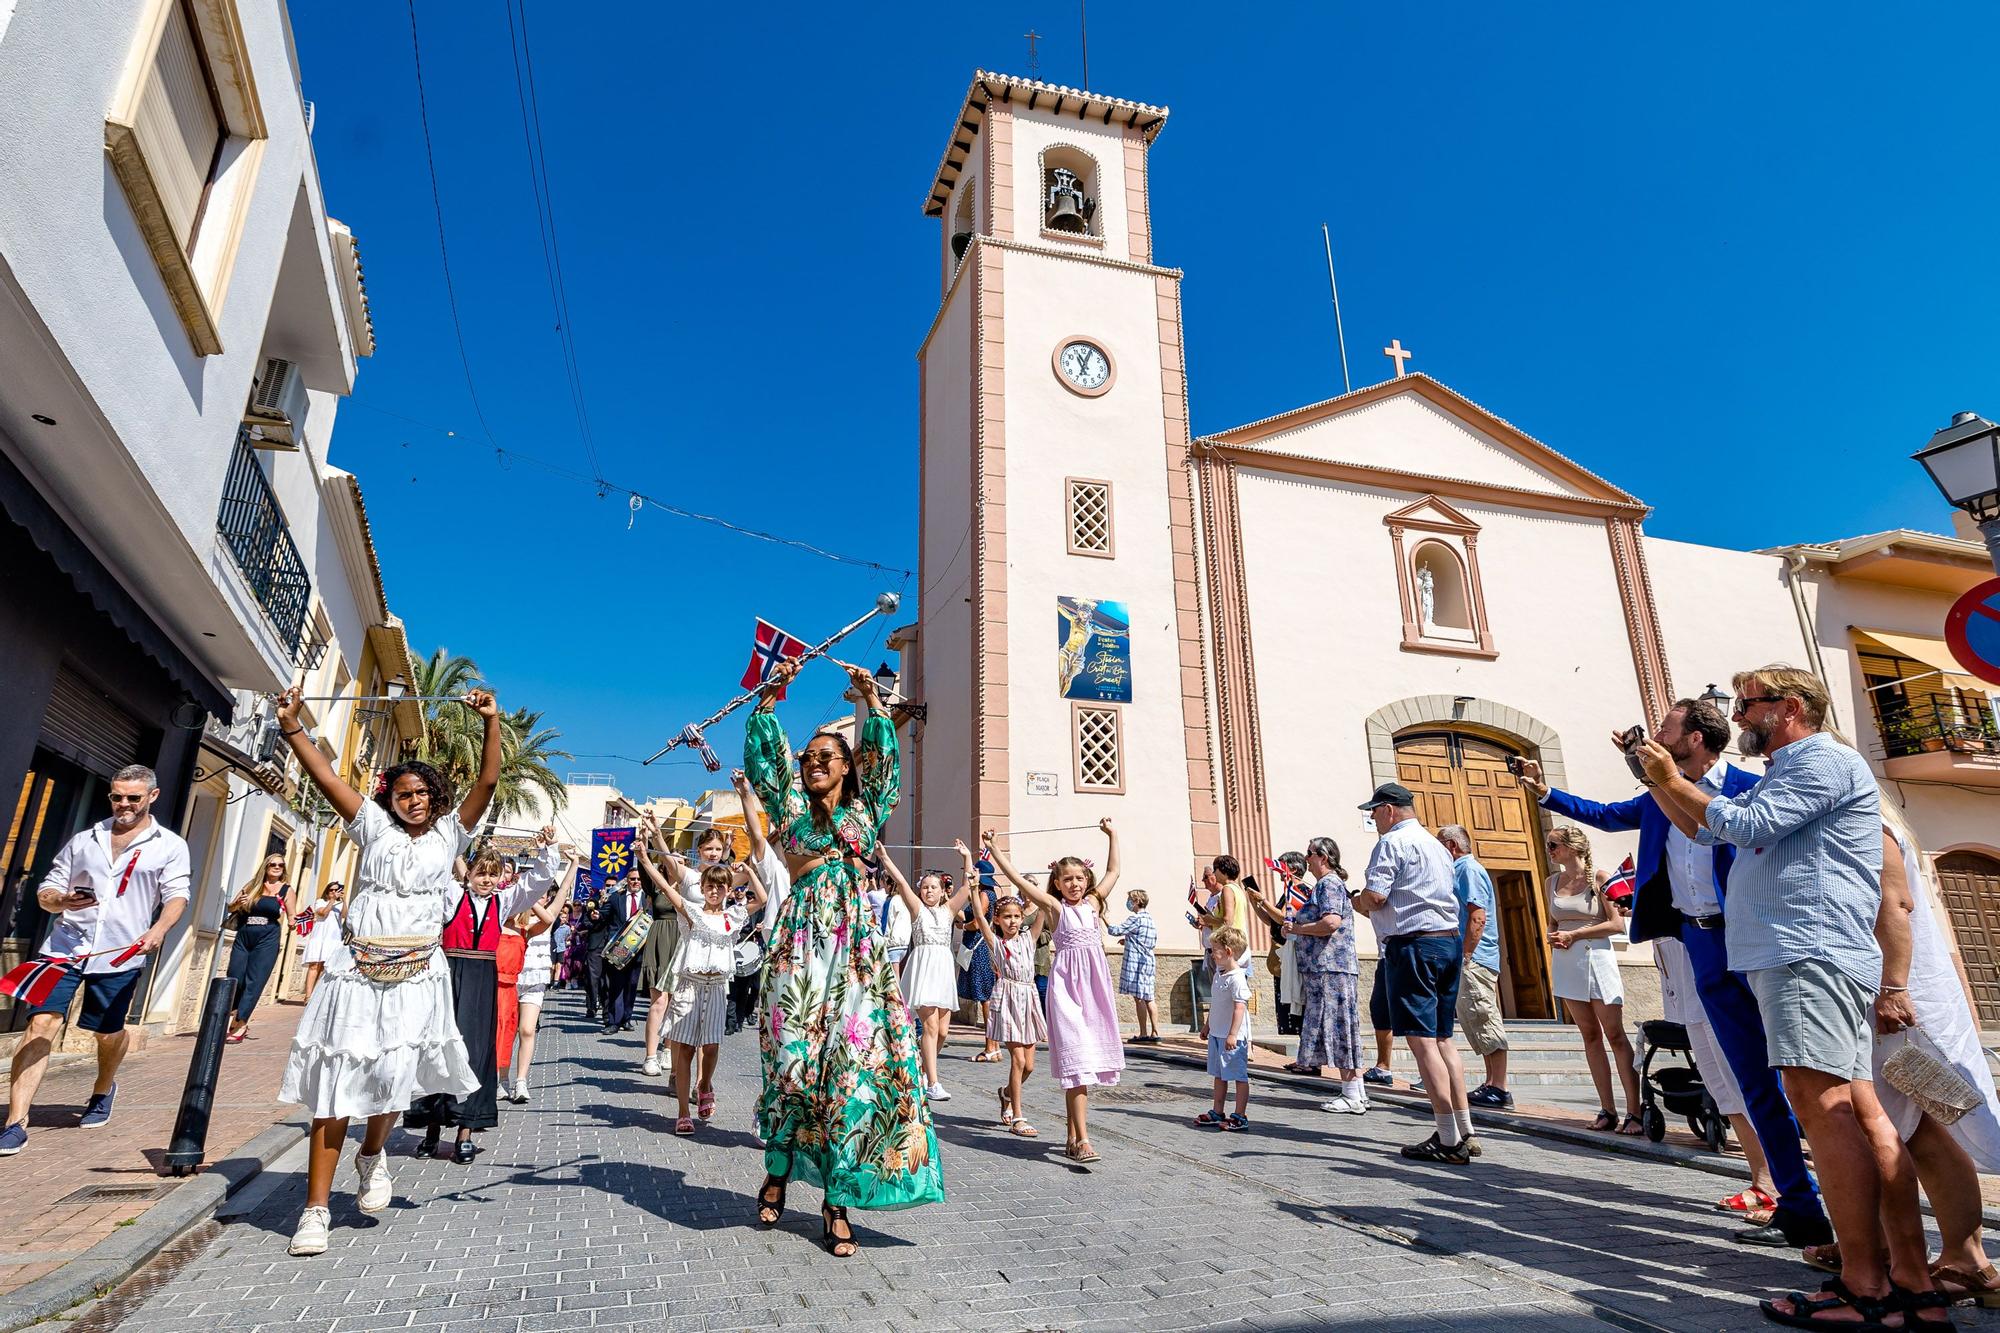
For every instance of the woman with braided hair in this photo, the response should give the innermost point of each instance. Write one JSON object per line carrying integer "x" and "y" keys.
{"x": 1584, "y": 972}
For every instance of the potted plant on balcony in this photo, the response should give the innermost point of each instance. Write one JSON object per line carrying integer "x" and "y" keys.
{"x": 1962, "y": 739}
{"x": 1908, "y": 735}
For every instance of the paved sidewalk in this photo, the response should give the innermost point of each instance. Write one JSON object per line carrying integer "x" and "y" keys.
{"x": 585, "y": 1211}
{"x": 48, "y": 1224}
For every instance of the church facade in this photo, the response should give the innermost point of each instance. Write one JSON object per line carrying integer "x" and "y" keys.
{"x": 1225, "y": 642}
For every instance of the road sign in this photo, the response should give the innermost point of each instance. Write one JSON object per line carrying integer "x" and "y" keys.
{"x": 1972, "y": 629}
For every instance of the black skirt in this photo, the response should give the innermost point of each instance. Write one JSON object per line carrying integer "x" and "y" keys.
{"x": 475, "y": 993}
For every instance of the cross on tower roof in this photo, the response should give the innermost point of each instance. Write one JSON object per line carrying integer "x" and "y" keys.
{"x": 1398, "y": 353}
{"x": 1034, "y": 65}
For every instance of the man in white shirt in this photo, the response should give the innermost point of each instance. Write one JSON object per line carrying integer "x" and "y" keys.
{"x": 1409, "y": 896}
{"x": 119, "y": 883}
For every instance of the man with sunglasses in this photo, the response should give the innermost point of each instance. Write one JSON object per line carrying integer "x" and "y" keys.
{"x": 1805, "y": 893}
{"x": 119, "y": 885}
{"x": 1678, "y": 893}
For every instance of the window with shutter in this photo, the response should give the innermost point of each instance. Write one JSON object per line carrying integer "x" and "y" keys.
{"x": 1089, "y": 523}
{"x": 1100, "y": 759}
{"x": 180, "y": 124}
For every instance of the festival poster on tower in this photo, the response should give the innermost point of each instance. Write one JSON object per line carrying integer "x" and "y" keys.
{"x": 1094, "y": 650}
{"x": 611, "y": 855}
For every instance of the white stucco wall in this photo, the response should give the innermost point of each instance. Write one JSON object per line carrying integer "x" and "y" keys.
{"x": 1721, "y": 612}
{"x": 1037, "y": 130}
{"x": 1412, "y": 434}
{"x": 943, "y": 796}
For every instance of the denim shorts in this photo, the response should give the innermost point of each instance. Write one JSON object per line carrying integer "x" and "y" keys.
{"x": 1378, "y": 996}
{"x": 1230, "y": 1067}
{"x": 1815, "y": 1017}
{"x": 1423, "y": 983}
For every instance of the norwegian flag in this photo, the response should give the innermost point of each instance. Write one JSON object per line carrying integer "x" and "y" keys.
{"x": 32, "y": 982}
{"x": 1621, "y": 884}
{"x": 773, "y": 646}
{"x": 1298, "y": 895}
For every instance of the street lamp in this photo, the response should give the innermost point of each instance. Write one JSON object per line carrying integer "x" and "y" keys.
{"x": 1964, "y": 461}
{"x": 1718, "y": 696}
{"x": 885, "y": 681}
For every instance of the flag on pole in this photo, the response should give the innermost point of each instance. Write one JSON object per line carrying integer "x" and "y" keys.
{"x": 1622, "y": 882}
{"x": 611, "y": 854}
{"x": 772, "y": 647}
{"x": 34, "y": 981}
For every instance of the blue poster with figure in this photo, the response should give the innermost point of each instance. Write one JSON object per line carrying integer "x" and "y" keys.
{"x": 1094, "y": 650}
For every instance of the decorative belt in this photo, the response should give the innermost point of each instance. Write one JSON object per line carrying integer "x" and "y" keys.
{"x": 1711, "y": 922}
{"x": 260, "y": 921}
{"x": 468, "y": 953}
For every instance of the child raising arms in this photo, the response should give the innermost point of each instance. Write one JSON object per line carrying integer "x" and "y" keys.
{"x": 1014, "y": 1013}
{"x": 1084, "y": 1045}
{"x": 930, "y": 977}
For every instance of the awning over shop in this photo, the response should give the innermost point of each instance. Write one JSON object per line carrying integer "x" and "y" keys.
{"x": 1933, "y": 653}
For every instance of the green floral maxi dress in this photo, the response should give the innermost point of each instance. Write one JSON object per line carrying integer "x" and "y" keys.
{"x": 843, "y": 1106}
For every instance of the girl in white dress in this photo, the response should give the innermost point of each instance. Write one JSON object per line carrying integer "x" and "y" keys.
{"x": 379, "y": 1031}
{"x": 323, "y": 946}
{"x": 536, "y": 924}
{"x": 930, "y": 973}
{"x": 704, "y": 963}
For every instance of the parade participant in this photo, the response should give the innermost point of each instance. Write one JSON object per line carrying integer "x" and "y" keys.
{"x": 656, "y": 960}
{"x": 1680, "y": 890}
{"x": 524, "y": 964}
{"x": 929, "y": 981}
{"x": 976, "y": 977}
{"x": 841, "y": 1106}
{"x": 1084, "y": 1045}
{"x": 704, "y": 962}
{"x": 766, "y": 869}
{"x": 614, "y": 985}
{"x": 378, "y": 1035}
{"x": 1407, "y": 892}
{"x": 1228, "y": 1031}
{"x": 109, "y": 883}
{"x": 1805, "y": 897}
{"x": 471, "y": 942}
{"x": 261, "y": 920}
{"x": 1014, "y": 1014}
{"x": 323, "y": 946}
{"x": 1583, "y": 972}
{"x": 1138, "y": 969}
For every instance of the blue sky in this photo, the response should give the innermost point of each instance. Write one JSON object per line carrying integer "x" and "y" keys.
{"x": 1739, "y": 260}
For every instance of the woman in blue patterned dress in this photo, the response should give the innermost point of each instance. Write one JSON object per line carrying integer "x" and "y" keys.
{"x": 843, "y": 1107}
{"x": 1330, "y": 1027}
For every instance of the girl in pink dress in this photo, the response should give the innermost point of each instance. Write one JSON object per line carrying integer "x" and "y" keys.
{"x": 1014, "y": 1013}
{"x": 1084, "y": 1046}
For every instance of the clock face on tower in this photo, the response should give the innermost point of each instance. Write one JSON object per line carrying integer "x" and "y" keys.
{"x": 1083, "y": 366}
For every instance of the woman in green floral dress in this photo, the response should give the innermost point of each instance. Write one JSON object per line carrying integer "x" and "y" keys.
{"x": 842, "y": 1107}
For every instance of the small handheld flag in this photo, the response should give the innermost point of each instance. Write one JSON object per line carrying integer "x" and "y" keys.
{"x": 1621, "y": 884}
{"x": 772, "y": 647}
{"x": 34, "y": 981}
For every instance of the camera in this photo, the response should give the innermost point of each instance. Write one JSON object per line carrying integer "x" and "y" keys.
{"x": 1515, "y": 765}
{"x": 1634, "y": 737}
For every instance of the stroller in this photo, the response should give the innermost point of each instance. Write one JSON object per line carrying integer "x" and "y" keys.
{"x": 1676, "y": 1088}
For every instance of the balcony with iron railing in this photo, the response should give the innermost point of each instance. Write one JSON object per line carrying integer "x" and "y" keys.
{"x": 1938, "y": 738}
{"x": 252, "y": 525}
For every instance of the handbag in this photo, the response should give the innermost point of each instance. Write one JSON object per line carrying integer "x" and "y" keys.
{"x": 1918, "y": 1070}
{"x": 622, "y": 950}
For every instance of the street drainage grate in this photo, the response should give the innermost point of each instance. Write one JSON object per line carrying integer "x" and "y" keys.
{"x": 115, "y": 1194}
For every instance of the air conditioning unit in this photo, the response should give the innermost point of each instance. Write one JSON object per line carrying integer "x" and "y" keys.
{"x": 277, "y": 412}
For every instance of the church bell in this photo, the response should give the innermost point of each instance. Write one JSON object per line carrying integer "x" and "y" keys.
{"x": 1068, "y": 208}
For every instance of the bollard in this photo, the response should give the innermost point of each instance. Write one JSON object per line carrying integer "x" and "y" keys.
{"x": 190, "y": 1141}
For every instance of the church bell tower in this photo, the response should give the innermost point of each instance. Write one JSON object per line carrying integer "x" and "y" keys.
{"x": 1059, "y": 645}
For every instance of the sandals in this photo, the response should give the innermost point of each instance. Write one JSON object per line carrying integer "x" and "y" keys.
{"x": 1022, "y": 1128}
{"x": 1209, "y": 1120}
{"x": 1007, "y": 1117}
{"x": 1960, "y": 1287}
{"x": 1805, "y": 1308}
{"x": 986, "y": 1058}
{"x": 1909, "y": 1302}
{"x": 1748, "y": 1201}
{"x": 840, "y": 1247}
{"x": 1081, "y": 1152}
{"x": 1606, "y": 1121}
{"x": 1826, "y": 1258}
{"x": 704, "y": 1104}
{"x": 237, "y": 1035}
{"x": 770, "y": 1210}
{"x": 1632, "y": 1127}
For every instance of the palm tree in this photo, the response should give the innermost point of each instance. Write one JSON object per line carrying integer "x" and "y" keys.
{"x": 452, "y": 732}
{"x": 526, "y": 749}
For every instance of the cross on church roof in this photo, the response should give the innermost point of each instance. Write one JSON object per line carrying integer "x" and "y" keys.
{"x": 1034, "y": 65}
{"x": 1398, "y": 353}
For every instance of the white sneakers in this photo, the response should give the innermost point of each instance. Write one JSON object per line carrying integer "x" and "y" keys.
{"x": 652, "y": 1065}
{"x": 310, "y": 1238}
{"x": 376, "y": 1186}
{"x": 520, "y": 1094}
{"x": 1346, "y": 1106}
{"x": 937, "y": 1093}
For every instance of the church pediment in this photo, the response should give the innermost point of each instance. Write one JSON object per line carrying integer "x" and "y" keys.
{"x": 1415, "y": 434}
{"x": 1431, "y": 514}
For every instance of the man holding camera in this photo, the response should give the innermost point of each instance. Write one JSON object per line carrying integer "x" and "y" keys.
{"x": 1678, "y": 893}
{"x": 109, "y": 882}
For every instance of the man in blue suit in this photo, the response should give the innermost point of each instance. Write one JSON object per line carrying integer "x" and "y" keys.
{"x": 1680, "y": 891}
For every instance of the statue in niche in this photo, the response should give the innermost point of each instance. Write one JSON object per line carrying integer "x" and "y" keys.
{"x": 1427, "y": 595}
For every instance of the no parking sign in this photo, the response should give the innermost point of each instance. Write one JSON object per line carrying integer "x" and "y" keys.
{"x": 1972, "y": 629}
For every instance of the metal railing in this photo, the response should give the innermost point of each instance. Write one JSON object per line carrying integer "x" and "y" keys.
{"x": 253, "y": 525}
{"x": 1934, "y": 722}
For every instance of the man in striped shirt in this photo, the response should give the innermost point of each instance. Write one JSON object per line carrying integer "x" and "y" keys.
{"x": 1804, "y": 895}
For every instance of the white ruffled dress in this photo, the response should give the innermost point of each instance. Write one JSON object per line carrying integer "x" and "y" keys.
{"x": 364, "y": 1048}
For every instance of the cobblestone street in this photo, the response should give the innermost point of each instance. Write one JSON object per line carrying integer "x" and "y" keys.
{"x": 586, "y": 1211}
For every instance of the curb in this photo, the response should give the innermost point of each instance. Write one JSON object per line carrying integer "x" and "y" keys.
{"x": 1630, "y": 1146}
{"x": 122, "y": 1253}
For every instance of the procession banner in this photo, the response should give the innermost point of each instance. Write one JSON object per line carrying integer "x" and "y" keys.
{"x": 585, "y": 888}
{"x": 611, "y": 853}
{"x": 1094, "y": 650}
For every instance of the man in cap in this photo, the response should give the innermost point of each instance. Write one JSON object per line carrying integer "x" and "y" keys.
{"x": 1408, "y": 894}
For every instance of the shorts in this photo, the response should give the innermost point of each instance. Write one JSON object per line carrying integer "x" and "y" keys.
{"x": 532, "y": 993}
{"x": 1230, "y": 1067}
{"x": 1423, "y": 983}
{"x": 1815, "y": 1017}
{"x": 1478, "y": 1009}
{"x": 1378, "y": 998}
{"x": 107, "y": 998}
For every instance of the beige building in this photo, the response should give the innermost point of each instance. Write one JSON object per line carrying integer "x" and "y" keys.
{"x": 1227, "y": 641}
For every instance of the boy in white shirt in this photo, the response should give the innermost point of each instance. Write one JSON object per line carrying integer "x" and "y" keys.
{"x": 1228, "y": 1030}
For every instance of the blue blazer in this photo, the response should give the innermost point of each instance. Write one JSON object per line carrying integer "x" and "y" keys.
{"x": 1653, "y": 911}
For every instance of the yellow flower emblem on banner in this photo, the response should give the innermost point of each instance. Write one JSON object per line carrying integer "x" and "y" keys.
{"x": 613, "y": 858}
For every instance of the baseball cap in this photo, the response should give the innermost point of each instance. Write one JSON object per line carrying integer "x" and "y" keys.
{"x": 1389, "y": 793}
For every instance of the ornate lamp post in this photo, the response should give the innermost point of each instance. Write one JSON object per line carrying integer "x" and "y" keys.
{"x": 1963, "y": 460}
